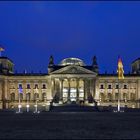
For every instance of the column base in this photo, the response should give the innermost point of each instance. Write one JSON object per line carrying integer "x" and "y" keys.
{"x": 86, "y": 101}
{"x": 68, "y": 101}
{"x": 77, "y": 101}
{"x": 60, "y": 102}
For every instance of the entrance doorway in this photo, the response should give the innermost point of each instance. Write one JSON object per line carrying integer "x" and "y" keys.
{"x": 73, "y": 94}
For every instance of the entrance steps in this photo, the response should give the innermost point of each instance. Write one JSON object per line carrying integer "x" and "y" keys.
{"x": 73, "y": 108}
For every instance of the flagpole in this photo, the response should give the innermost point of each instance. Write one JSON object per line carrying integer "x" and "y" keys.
{"x": 27, "y": 106}
{"x": 19, "y": 106}
{"x": 120, "y": 77}
{"x": 19, "y": 99}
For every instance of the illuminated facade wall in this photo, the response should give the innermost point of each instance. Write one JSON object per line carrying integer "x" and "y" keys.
{"x": 66, "y": 84}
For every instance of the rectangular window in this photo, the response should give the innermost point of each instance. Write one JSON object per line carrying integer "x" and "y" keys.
{"x": 65, "y": 92}
{"x": 36, "y": 86}
{"x": 117, "y": 86}
{"x": 109, "y": 87}
{"x": 20, "y": 86}
{"x": 125, "y": 86}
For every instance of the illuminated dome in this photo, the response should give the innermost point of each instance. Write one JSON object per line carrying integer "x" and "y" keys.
{"x": 72, "y": 61}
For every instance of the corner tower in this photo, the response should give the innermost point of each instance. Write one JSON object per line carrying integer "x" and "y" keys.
{"x": 6, "y": 65}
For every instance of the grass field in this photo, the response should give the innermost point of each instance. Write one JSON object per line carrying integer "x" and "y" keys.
{"x": 70, "y": 125}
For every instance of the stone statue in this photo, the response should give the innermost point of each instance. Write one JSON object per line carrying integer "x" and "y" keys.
{"x": 51, "y": 61}
{"x": 95, "y": 65}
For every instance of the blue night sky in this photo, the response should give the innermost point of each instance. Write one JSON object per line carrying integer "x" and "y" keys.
{"x": 32, "y": 31}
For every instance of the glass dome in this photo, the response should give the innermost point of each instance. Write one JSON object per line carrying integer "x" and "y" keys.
{"x": 72, "y": 61}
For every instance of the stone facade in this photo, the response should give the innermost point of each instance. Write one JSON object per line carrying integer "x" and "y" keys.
{"x": 70, "y": 81}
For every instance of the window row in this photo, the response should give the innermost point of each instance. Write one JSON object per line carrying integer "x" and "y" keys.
{"x": 36, "y": 86}
{"x": 28, "y": 96}
{"x": 110, "y": 97}
{"x": 110, "y": 86}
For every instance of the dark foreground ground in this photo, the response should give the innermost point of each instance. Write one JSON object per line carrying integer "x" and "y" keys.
{"x": 70, "y": 125}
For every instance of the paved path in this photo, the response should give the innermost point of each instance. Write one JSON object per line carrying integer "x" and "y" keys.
{"x": 69, "y": 125}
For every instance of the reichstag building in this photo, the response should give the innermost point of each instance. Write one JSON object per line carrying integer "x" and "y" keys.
{"x": 69, "y": 81}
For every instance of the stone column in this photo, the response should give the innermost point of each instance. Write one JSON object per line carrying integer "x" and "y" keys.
{"x": 68, "y": 90}
{"x": 138, "y": 93}
{"x": 24, "y": 91}
{"x": 106, "y": 89}
{"x": 96, "y": 90}
{"x": 85, "y": 90}
{"x": 77, "y": 88}
{"x": 32, "y": 90}
{"x": 61, "y": 89}
{"x": 53, "y": 87}
{"x": 113, "y": 90}
{"x": 40, "y": 90}
{"x": 5, "y": 96}
{"x": 92, "y": 87}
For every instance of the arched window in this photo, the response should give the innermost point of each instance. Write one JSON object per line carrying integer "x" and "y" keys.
{"x": 102, "y": 86}
{"x": 28, "y": 96}
{"x": 36, "y": 86}
{"x": 109, "y": 87}
{"x": 28, "y": 86}
{"x": 125, "y": 86}
{"x": 36, "y": 96}
{"x": 43, "y": 96}
{"x": 44, "y": 86}
{"x": 12, "y": 98}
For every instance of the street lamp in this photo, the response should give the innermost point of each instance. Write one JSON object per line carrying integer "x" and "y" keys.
{"x": 27, "y": 105}
{"x": 19, "y": 99}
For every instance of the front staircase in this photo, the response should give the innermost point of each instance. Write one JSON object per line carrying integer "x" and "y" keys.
{"x": 73, "y": 108}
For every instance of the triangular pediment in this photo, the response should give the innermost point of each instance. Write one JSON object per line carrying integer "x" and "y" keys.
{"x": 73, "y": 70}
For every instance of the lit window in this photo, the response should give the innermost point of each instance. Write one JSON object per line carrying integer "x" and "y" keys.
{"x": 20, "y": 86}
{"x": 65, "y": 92}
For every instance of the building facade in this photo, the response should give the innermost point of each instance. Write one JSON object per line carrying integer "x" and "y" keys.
{"x": 69, "y": 81}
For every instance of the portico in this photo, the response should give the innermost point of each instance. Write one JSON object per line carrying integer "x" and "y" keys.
{"x": 73, "y": 89}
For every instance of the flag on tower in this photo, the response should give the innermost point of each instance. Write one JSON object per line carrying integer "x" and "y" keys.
{"x": 120, "y": 69}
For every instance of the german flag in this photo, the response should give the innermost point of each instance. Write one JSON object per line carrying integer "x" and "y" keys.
{"x": 120, "y": 69}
